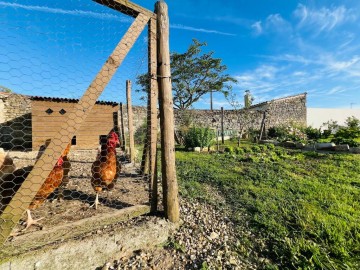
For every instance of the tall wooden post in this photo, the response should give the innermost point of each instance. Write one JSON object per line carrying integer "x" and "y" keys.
{"x": 262, "y": 126}
{"x": 122, "y": 127}
{"x": 130, "y": 122}
{"x": 222, "y": 125}
{"x": 169, "y": 181}
{"x": 153, "y": 118}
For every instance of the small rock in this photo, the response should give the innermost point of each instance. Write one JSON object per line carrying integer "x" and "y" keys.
{"x": 213, "y": 235}
{"x": 355, "y": 150}
{"x": 342, "y": 148}
{"x": 232, "y": 260}
{"x": 324, "y": 146}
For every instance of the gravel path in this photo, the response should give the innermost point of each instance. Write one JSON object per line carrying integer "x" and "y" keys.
{"x": 206, "y": 239}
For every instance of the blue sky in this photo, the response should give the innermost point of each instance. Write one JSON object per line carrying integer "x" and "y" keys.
{"x": 274, "y": 48}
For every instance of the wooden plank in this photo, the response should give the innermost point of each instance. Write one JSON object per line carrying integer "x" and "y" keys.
{"x": 22, "y": 199}
{"x": 130, "y": 122}
{"x": 170, "y": 186}
{"x": 35, "y": 240}
{"x": 153, "y": 111}
{"x": 127, "y": 7}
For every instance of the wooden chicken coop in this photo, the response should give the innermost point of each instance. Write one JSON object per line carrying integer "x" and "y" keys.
{"x": 47, "y": 115}
{"x": 75, "y": 118}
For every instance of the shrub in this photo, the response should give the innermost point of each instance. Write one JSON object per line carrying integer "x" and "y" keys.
{"x": 312, "y": 133}
{"x": 286, "y": 133}
{"x": 239, "y": 151}
{"x": 347, "y": 134}
{"x": 229, "y": 149}
{"x": 198, "y": 137}
{"x": 270, "y": 146}
{"x": 263, "y": 147}
{"x": 256, "y": 148}
{"x": 341, "y": 140}
{"x": 278, "y": 132}
{"x": 140, "y": 134}
{"x": 326, "y": 133}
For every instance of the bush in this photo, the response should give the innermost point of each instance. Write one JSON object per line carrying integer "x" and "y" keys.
{"x": 312, "y": 133}
{"x": 278, "y": 133}
{"x": 347, "y": 134}
{"x": 256, "y": 148}
{"x": 341, "y": 140}
{"x": 270, "y": 146}
{"x": 140, "y": 134}
{"x": 229, "y": 149}
{"x": 198, "y": 137}
{"x": 326, "y": 133}
{"x": 239, "y": 151}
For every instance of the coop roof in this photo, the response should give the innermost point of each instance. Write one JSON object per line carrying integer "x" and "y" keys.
{"x": 70, "y": 100}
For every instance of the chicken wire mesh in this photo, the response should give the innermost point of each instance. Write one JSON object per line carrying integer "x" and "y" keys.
{"x": 71, "y": 143}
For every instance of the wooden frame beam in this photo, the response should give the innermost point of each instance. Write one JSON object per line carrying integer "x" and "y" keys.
{"x": 22, "y": 199}
{"x": 127, "y": 7}
{"x": 153, "y": 114}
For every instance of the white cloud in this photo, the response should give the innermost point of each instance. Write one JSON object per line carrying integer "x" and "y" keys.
{"x": 343, "y": 65}
{"x": 336, "y": 90}
{"x": 323, "y": 19}
{"x": 190, "y": 28}
{"x": 84, "y": 13}
{"x": 273, "y": 23}
{"x": 257, "y": 27}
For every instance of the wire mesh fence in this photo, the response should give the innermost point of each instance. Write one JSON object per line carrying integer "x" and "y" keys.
{"x": 73, "y": 125}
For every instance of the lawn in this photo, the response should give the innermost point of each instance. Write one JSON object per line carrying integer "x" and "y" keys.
{"x": 302, "y": 207}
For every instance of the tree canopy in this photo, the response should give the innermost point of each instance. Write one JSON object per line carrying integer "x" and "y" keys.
{"x": 5, "y": 89}
{"x": 194, "y": 74}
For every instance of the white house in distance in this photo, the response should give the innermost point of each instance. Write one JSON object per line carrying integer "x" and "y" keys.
{"x": 317, "y": 116}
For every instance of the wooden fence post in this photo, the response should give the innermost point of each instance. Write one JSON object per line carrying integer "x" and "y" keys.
{"x": 170, "y": 186}
{"x": 153, "y": 118}
{"x": 222, "y": 125}
{"x": 130, "y": 122}
{"x": 123, "y": 147}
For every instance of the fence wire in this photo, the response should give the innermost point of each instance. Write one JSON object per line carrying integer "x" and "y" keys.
{"x": 65, "y": 151}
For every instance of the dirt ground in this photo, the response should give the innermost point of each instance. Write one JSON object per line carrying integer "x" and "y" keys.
{"x": 130, "y": 189}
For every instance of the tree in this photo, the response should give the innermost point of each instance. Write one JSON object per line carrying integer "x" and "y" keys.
{"x": 244, "y": 115}
{"x": 193, "y": 75}
{"x": 5, "y": 89}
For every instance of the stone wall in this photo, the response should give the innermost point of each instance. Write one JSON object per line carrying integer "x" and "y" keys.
{"x": 284, "y": 111}
{"x": 15, "y": 122}
{"x": 15, "y": 117}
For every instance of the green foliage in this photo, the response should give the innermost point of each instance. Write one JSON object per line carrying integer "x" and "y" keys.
{"x": 5, "y": 89}
{"x": 140, "y": 134}
{"x": 279, "y": 133}
{"x": 312, "y": 133}
{"x": 229, "y": 149}
{"x": 270, "y": 146}
{"x": 239, "y": 151}
{"x": 193, "y": 75}
{"x": 198, "y": 137}
{"x": 347, "y": 134}
{"x": 331, "y": 127}
{"x": 302, "y": 207}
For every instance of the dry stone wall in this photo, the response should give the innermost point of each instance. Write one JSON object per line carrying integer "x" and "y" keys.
{"x": 15, "y": 122}
{"x": 15, "y": 117}
{"x": 284, "y": 111}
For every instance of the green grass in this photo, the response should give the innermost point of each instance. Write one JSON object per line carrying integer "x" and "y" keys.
{"x": 303, "y": 207}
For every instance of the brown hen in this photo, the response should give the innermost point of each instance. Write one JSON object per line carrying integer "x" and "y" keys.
{"x": 105, "y": 168}
{"x": 12, "y": 183}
